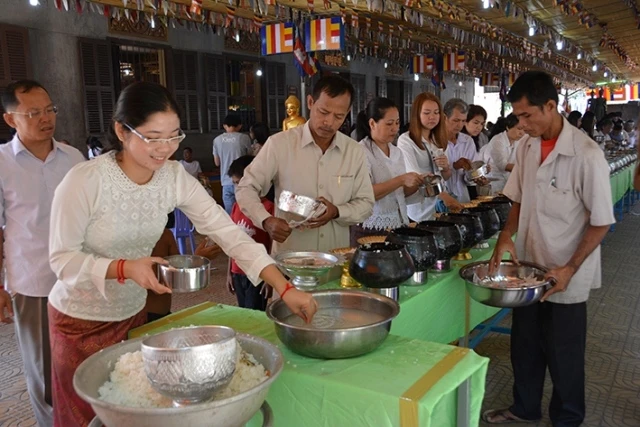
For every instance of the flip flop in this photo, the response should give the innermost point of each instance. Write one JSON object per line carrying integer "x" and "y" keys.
{"x": 503, "y": 416}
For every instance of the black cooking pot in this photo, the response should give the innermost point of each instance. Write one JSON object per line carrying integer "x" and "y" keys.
{"x": 381, "y": 265}
{"x": 421, "y": 245}
{"x": 489, "y": 217}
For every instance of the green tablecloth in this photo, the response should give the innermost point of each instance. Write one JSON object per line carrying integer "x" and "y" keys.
{"x": 621, "y": 182}
{"x": 436, "y": 311}
{"x": 364, "y": 391}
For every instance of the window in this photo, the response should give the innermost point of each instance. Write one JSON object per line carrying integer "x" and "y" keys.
{"x": 185, "y": 77}
{"x": 360, "y": 96}
{"x": 381, "y": 89}
{"x": 276, "y": 94}
{"x": 408, "y": 100}
{"x": 99, "y": 100}
{"x": 216, "y": 91}
{"x": 141, "y": 64}
{"x": 14, "y": 61}
{"x": 244, "y": 90}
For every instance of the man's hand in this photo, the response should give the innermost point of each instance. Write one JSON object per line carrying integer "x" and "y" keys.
{"x": 330, "y": 214}
{"x": 462, "y": 164}
{"x": 209, "y": 252}
{"x": 482, "y": 181}
{"x": 5, "y": 303}
{"x": 561, "y": 276}
{"x": 277, "y": 228}
{"x": 505, "y": 244}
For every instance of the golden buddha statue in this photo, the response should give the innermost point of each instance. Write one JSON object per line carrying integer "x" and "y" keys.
{"x": 293, "y": 119}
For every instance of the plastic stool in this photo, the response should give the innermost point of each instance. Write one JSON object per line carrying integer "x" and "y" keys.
{"x": 183, "y": 230}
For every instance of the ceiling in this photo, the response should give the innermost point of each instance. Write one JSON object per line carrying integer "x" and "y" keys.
{"x": 490, "y": 36}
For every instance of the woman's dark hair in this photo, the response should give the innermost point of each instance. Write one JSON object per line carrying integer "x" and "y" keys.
{"x": 617, "y": 126}
{"x": 574, "y": 117}
{"x": 603, "y": 123}
{"x": 260, "y": 132}
{"x": 136, "y": 103}
{"x": 474, "y": 111}
{"x": 376, "y": 109}
{"x": 504, "y": 124}
{"x": 536, "y": 86}
{"x": 588, "y": 123}
{"x": 238, "y": 166}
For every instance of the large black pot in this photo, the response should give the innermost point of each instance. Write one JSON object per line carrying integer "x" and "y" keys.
{"x": 502, "y": 209}
{"x": 421, "y": 245}
{"x": 448, "y": 241}
{"x": 470, "y": 228}
{"x": 381, "y": 265}
{"x": 489, "y": 217}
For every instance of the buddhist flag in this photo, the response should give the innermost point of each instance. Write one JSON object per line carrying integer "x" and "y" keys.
{"x": 490, "y": 79}
{"x": 619, "y": 94}
{"x": 324, "y": 34}
{"x": 422, "y": 64}
{"x": 277, "y": 38}
{"x": 511, "y": 79}
{"x": 453, "y": 61}
{"x": 634, "y": 90}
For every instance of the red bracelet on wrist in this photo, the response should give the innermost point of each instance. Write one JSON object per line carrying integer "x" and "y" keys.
{"x": 120, "y": 271}
{"x": 286, "y": 289}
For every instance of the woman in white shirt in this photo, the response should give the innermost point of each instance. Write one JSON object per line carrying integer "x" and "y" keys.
{"x": 107, "y": 215}
{"x": 474, "y": 127}
{"x": 423, "y": 148}
{"x": 393, "y": 187}
{"x": 502, "y": 150}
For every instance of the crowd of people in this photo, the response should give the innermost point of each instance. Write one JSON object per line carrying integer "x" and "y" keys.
{"x": 80, "y": 244}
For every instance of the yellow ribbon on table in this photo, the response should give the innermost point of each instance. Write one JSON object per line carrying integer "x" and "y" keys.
{"x": 142, "y": 330}
{"x": 410, "y": 398}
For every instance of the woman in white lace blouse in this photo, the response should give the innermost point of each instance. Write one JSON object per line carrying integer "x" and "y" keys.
{"x": 503, "y": 145}
{"x": 107, "y": 215}
{"x": 393, "y": 187}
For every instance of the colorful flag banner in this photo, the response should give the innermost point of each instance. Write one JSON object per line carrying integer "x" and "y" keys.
{"x": 304, "y": 62}
{"x": 277, "y": 38}
{"x": 490, "y": 79}
{"x": 453, "y": 61}
{"x": 511, "y": 79}
{"x": 421, "y": 64}
{"x": 634, "y": 90}
{"x": 324, "y": 34}
{"x": 619, "y": 94}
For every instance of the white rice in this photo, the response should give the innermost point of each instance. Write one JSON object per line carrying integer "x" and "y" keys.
{"x": 128, "y": 384}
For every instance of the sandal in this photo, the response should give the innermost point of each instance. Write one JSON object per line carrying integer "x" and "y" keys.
{"x": 503, "y": 416}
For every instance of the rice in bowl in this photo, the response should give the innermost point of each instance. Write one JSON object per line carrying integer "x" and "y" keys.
{"x": 128, "y": 384}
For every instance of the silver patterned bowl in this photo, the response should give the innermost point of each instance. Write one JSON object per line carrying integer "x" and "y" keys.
{"x": 297, "y": 208}
{"x": 189, "y": 365}
{"x": 480, "y": 170}
{"x": 307, "y": 274}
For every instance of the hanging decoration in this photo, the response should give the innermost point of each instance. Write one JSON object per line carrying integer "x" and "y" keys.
{"x": 324, "y": 34}
{"x": 277, "y": 38}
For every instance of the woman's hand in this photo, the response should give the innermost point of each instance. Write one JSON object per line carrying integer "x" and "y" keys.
{"x": 143, "y": 272}
{"x": 209, "y": 252}
{"x": 412, "y": 180}
{"x": 442, "y": 162}
{"x": 301, "y": 304}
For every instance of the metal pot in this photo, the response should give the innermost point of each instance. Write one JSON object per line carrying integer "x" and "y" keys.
{"x": 490, "y": 220}
{"x": 502, "y": 209}
{"x": 234, "y": 411}
{"x": 347, "y": 324}
{"x": 381, "y": 265}
{"x": 185, "y": 273}
{"x": 433, "y": 185}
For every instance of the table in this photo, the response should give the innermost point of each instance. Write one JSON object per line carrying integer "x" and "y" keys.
{"x": 405, "y": 382}
{"x": 436, "y": 311}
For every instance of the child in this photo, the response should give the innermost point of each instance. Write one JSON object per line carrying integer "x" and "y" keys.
{"x": 192, "y": 166}
{"x": 248, "y": 296}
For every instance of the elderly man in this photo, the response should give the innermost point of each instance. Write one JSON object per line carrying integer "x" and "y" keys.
{"x": 461, "y": 149}
{"x": 561, "y": 211}
{"x": 31, "y": 167}
{"x": 317, "y": 161}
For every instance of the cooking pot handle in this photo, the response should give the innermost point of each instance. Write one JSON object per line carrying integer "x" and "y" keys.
{"x": 267, "y": 415}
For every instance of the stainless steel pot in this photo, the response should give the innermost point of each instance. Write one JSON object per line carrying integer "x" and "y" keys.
{"x": 347, "y": 324}
{"x": 433, "y": 185}
{"x": 185, "y": 273}
{"x": 231, "y": 412}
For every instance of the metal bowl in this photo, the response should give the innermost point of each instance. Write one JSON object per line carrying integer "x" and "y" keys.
{"x": 480, "y": 170}
{"x": 185, "y": 273}
{"x": 505, "y": 297}
{"x": 433, "y": 185}
{"x": 234, "y": 411}
{"x": 307, "y": 276}
{"x": 298, "y": 208}
{"x": 347, "y": 324}
{"x": 189, "y": 365}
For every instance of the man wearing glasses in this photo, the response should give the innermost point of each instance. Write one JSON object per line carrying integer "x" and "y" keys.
{"x": 32, "y": 165}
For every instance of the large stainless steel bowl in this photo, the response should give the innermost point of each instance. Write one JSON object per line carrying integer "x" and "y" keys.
{"x": 231, "y": 412}
{"x": 185, "y": 273}
{"x": 505, "y": 297}
{"x": 297, "y": 209}
{"x": 303, "y": 276}
{"x": 347, "y": 324}
{"x": 189, "y": 365}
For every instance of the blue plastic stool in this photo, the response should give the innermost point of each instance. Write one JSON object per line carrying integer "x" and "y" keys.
{"x": 183, "y": 230}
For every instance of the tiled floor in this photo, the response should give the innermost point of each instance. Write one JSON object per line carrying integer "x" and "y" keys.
{"x": 612, "y": 360}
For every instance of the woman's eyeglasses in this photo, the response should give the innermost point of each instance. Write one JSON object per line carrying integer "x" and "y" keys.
{"x": 158, "y": 141}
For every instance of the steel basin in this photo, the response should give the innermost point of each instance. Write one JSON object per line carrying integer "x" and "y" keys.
{"x": 337, "y": 342}
{"x": 235, "y": 411}
{"x": 185, "y": 273}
